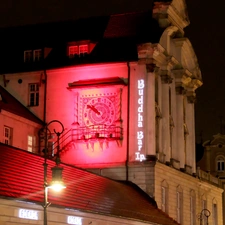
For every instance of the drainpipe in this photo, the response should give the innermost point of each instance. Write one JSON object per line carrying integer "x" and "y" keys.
{"x": 44, "y": 110}
{"x": 45, "y": 97}
{"x": 128, "y": 121}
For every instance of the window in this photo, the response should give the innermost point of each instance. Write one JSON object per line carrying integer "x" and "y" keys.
{"x": 83, "y": 49}
{"x": 30, "y": 143}
{"x": 37, "y": 55}
{"x": 28, "y": 56}
{"x": 220, "y": 164}
{"x": 193, "y": 208}
{"x": 7, "y": 135}
{"x": 164, "y": 197}
{"x": 33, "y": 94}
{"x": 32, "y": 55}
{"x": 204, "y": 206}
{"x": 214, "y": 214}
{"x": 78, "y": 50}
{"x": 179, "y": 205}
{"x": 73, "y": 51}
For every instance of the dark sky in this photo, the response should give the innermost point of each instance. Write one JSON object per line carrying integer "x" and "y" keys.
{"x": 206, "y": 33}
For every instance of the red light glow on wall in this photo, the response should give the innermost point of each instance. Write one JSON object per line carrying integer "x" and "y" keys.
{"x": 94, "y": 111}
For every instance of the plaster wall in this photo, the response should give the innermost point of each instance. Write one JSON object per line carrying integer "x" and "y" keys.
{"x": 21, "y": 90}
{"x": 21, "y": 128}
{"x": 9, "y": 214}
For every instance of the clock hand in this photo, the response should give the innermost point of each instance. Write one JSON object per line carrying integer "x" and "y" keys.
{"x": 93, "y": 109}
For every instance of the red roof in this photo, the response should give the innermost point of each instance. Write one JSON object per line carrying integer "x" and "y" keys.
{"x": 11, "y": 104}
{"x": 21, "y": 175}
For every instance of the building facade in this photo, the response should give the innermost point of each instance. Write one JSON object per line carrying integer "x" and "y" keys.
{"x": 125, "y": 93}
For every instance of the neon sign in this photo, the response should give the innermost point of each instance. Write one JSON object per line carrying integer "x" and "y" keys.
{"x": 74, "y": 220}
{"x": 140, "y": 133}
{"x": 28, "y": 214}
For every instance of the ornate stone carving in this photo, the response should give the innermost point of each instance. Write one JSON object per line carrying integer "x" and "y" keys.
{"x": 150, "y": 68}
{"x": 180, "y": 90}
{"x": 166, "y": 79}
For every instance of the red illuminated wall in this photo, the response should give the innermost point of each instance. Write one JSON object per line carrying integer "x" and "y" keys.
{"x": 70, "y": 105}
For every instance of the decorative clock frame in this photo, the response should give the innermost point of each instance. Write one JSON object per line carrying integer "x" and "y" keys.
{"x": 97, "y": 111}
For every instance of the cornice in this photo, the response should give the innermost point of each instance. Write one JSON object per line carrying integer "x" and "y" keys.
{"x": 174, "y": 13}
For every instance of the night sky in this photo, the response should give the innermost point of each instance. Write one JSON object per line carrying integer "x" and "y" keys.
{"x": 206, "y": 33}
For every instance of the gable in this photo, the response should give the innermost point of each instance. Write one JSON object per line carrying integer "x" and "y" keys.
{"x": 12, "y": 105}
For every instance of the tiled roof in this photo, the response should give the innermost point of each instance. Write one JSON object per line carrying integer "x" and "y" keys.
{"x": 116, "y": 39}
{"x": 11, "y": 104}
{"x": 138, "y": 25}
{"x": 21, "y": 175}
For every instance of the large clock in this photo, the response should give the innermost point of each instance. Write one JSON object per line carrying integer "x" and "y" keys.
{"x": 99, "y": 110}
{"x": 98, "y": 107}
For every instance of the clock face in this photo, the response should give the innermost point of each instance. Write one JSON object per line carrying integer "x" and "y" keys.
{"x": 99, "y": 110}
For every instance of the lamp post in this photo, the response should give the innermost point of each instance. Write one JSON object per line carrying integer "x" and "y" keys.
{"x": 57, "y": 183}
{"x": 206, "y": 213}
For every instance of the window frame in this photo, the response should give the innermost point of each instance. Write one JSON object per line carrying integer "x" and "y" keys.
{"x": 8, "y": 138}
{"x": 164, "y": 197}
{"x": 179, "y": 205}
{"x": 220, "y": 163}
{"x": 81, "y": 50}
{"x": 34, "y": 95}
{"x": 39, "y": 55}
{"x": 28, "y": 57}
{"x": 31, "y": 141}
{"x": 192, "y": 208}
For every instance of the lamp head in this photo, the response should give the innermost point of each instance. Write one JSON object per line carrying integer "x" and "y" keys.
{"x": 57, "y": 183}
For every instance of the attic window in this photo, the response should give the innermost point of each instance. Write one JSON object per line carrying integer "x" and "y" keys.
{"x": 73, "y": 51}
{"x": 78, "y": 50}
{"x": 28, "y": 56}
{"x": 32, "y": 55}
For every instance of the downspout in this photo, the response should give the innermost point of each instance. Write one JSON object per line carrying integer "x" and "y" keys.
{"x": 44, "y": 110}
{"x": 128, "y": 120}
{"x": 45, "y": 96}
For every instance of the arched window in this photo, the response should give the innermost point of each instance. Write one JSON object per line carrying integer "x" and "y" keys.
{"x": 192, "y": 207}
{"x": 214, "y": 212}
{"x": 164, "y": 196}
{"x": 220, "y": 162}
{"x": 179, "y": 204}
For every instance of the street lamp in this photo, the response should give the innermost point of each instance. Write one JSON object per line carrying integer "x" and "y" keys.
{"x": 206, "y": 213}
{"x": 57, "y": 182}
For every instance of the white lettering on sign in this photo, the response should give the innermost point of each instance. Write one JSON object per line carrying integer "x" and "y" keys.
{"x": 28, "y": 214}
{"x": 74, "y": 220}
{"x": 140, "y": 119}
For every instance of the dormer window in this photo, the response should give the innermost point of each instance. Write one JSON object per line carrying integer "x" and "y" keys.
{"x": 73, "y": 51}
{"x": 220, "y": 163}
{"x": 37, "y": 55}
{"x": 28, "y": 56}
{"x": 32, "y": 55}
{"x": 83, "y": 49}
{"x": 78, "y": 50}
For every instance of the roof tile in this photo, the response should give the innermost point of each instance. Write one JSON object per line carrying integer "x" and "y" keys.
{"x": 21, "y": 175}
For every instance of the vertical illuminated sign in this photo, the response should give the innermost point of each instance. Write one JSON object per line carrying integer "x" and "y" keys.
{"x": 139, "y": 156}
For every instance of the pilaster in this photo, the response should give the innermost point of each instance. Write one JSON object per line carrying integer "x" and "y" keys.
{"x": 166, "y": 145}
{"x": 150, "y": 111}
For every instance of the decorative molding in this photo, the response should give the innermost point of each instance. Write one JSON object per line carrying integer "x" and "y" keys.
{"x": 166, "y": 79}
{"x": 150, "y": 68}
{"x": 180, "y": 90}
{"x": 173, "y": 12}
